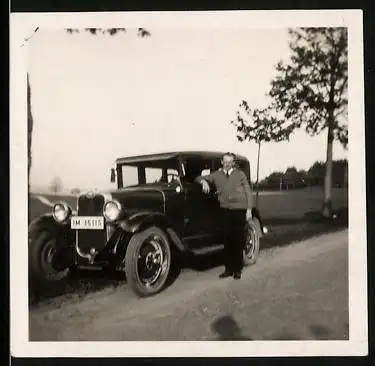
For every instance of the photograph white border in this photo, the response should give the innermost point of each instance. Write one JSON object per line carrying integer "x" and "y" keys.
{"x": 21, "y": 26}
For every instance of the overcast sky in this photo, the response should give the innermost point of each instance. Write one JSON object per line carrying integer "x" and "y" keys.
{"x": 95, "y": 98}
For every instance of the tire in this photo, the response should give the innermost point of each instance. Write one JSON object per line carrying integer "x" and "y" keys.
{"x": 137, "y": 260}
{"x": 41, "y": 271}
{"x": 251, "y": 252}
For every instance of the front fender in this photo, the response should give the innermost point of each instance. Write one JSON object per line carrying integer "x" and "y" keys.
{"x": 141, "y": 220}
{"x": 47, "y": 222}
{"x": 256, "y": 214}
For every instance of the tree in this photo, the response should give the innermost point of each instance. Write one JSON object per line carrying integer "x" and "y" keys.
{"x": 290, "y": 177}
{"x": 56, "y": 185}
{"x": 274, "y": 181}
{"x": 30, "y": 121}
{"x": 29, "y": 130}
{"x": 75, "y": 191}
{"x": 339, "y": 172}
{"x": 260, "y": 126}
{"x": 311, "y": 90}
{"x": 316, "y": 174}
{"x": 142, "y": 32}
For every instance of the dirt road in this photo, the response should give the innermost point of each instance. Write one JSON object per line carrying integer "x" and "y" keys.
{"x": 299, "y": 292}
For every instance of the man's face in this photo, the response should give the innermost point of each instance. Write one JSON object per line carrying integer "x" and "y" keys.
{"x": 227, "y": 162}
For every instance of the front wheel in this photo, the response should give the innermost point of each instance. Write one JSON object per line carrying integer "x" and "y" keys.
{"x": 252, "y": 242}
{"x": 43, "y": 268}
{"x": 148, "y": 262}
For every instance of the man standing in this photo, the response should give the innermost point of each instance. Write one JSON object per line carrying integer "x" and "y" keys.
{"x": 235, "y": 197}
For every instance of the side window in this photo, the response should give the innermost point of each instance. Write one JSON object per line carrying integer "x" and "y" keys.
{"x": 153, "y": 175}
{"x": 129, "y": 175}
{"x": 205, "y": 172}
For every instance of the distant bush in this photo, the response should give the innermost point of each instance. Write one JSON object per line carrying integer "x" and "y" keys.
{"x": 313, "y": 177}
{"x": 75, "y": 191}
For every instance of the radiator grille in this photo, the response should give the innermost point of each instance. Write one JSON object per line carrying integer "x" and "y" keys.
{"x": 87, "y": 239}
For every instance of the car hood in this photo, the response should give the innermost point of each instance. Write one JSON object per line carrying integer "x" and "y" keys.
{"x": 144, "y": 198}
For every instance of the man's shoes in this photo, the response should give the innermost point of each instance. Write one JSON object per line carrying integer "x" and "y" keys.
{"x": 237, "y": 275}
{"x": 226, "y": 274}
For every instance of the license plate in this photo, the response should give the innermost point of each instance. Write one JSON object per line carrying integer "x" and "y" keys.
{"x": 87, "y": 222}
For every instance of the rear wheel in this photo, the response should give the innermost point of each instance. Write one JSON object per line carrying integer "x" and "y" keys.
{"x": 252, "y": 243}
{"x": 148, "y": 261}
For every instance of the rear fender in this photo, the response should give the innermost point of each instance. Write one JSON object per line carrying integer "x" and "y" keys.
{"x": 256, "y": 214}
{"x": 141, "y": 221}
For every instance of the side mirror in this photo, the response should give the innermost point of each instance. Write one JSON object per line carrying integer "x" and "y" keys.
{"x": 113, "y": 175}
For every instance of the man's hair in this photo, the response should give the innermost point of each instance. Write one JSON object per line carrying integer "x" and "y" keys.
{"x": 229, "y": 154}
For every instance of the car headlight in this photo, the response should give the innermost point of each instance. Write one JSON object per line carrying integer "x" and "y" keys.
{"x": 112, "y": 210}
{"x": 61, "y": 212}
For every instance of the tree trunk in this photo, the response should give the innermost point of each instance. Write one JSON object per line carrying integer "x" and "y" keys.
{"x": 29, "y": 130}
{"x": 327, "y": 204}
{"x": 346, "y": 176}
{"x": 257, "y": 182}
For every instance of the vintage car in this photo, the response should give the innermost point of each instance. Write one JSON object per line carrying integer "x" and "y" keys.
{"x": 156, "y": 213}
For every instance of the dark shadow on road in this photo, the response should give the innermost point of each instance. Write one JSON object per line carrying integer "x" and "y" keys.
{"x": 320, "y": 332}
{"x": 228, "y": 330}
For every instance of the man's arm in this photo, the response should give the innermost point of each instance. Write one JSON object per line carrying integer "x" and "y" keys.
{"x": 210, "y": 178}
{"x": 205, "y": 180}
{"x": 248, "y": 193}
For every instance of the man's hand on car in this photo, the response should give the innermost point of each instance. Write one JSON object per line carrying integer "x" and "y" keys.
{"x": 249, "y": 214}
{"x": 205, "y": 186}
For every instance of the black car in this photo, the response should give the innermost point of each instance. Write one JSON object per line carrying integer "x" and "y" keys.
{"x": 156, "y": 213}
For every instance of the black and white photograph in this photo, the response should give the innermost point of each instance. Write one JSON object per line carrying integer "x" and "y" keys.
{"x": 188, "y": 184}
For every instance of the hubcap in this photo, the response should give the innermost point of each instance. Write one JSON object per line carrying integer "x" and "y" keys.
{"x": 47, "y": 255}
{"x": 151, "y": 260}
{"x": 50, "y": 261}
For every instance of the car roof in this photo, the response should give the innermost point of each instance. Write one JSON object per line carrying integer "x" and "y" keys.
{"x": 174, "y": 154}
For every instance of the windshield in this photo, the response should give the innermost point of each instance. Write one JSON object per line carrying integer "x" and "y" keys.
{"x": 161, "y": 172}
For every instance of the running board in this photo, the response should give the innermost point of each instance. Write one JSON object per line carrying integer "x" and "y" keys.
{"x": 208, "y": 250}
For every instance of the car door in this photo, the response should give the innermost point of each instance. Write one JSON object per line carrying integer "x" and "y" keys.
{"x": 201, "y": 214}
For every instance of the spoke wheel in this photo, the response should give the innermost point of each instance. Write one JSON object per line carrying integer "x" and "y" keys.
{"x": 151, "y": 260}
{"x": 42, "y": 255}
{"x": 148, "y": 261}
{"x": 252, "y": 242}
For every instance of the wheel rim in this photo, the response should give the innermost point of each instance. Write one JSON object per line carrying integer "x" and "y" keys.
{"x": 47, "y": 256}
{"x": 152, "y": 260}
{"x": 249, "y": 249}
